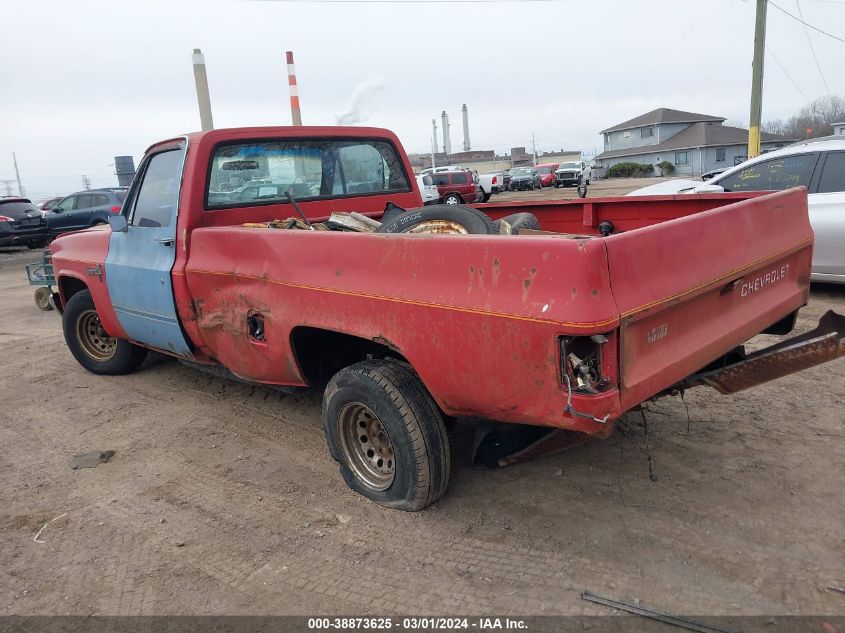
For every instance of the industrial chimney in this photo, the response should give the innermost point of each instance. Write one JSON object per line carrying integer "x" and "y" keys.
{"x": 201, "y": 83}
{"x": 466, "y": 128}
{"x": 295, "y": 113}
{"x": 447, "y": 141}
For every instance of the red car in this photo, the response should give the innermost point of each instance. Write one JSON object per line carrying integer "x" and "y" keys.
{"x": 458, "y": 187}
{"x": 547, "y": 173}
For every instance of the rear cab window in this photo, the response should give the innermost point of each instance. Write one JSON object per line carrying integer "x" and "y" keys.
{"x": 263, "y": 172}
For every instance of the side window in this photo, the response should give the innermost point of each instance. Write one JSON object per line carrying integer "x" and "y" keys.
{"x": 158, "y": 195}
{"x": 99, "y": 200}
{"x": 84, "y": 201}
{"x": 833, "y": 175}
{"x": 459, "y": 178}
{"x": 772, "y": 175}
{"x": 68, "y": 204}
{"x": 441, "y": 180}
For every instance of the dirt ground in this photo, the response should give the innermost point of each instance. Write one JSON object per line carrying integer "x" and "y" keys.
{"x": 222, "y": 499}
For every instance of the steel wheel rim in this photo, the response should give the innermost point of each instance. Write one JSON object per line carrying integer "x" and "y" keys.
{"x": 93, "y": 338}
{"x": 366, "y": 446}
{"x": 439, "y": 226}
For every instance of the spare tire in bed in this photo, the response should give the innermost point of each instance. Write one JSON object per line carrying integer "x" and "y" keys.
{"x": 440, "y": 218}
{"x": 519, "y": 221}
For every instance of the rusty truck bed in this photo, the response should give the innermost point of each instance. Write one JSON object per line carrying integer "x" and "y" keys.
{"x": 680, "y": 282}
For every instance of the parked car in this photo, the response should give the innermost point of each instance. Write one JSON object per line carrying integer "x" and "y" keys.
{"x": 523, "y": 178}
{"x": 547, "y": 173}
{"x": 817, "y": 165}
{"x": 428, "y": 190}
{"x": 85, "y": 208}
{"x": 398, "y": 331}
{"x": 457, "y": 187}
{"x": 21, "y": 223}
{"x": 571, "y": 173}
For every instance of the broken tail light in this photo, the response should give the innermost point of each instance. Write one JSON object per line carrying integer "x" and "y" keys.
{"x": 583, "y": 362}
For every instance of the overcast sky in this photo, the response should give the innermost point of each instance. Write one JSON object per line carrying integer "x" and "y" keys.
{"x": 81, "y": 82}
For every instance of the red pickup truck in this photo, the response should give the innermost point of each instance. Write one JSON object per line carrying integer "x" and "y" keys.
{"x": 558, "y": 314}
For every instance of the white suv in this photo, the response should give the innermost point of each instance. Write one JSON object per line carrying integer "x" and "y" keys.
{"x": 428, "y": 190}
{"x": 818, "y": 165}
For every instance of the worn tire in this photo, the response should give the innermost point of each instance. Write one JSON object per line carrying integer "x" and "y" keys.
{"x": 471, "y": 220}
{"x": 42, "y": 299}
{"x": 126, "y": 357}
{"x": 519, "y": 221}
{"x": 412, "y": 421}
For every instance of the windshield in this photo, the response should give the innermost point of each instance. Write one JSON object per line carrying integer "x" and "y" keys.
{"x": 522, "y": 172}
{"x": 262, "y": 172}
{"x": 544, "y": 170}
{"x": 570, "y": 166}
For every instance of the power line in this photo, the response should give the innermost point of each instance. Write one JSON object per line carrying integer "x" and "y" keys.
{"x": 813, "y": 50}
{"x": 797, "y": 19}
{"x": 786, "y": 72}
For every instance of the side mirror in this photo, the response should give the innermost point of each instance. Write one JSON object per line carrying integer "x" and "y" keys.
{"x": 118, "y": 223}
{"x": 56, "y": 209}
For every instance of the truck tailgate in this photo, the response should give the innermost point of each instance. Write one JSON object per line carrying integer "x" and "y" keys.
{"x": 689, "y": 290}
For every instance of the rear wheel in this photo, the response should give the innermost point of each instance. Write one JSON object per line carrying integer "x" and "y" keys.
{"x": 387, "y": 434}
{"x": 452, "y": 198}
{"x": 91, "y": 345}
{"x": 485, "y": 197}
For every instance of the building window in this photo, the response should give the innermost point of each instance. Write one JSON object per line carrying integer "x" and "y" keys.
{"x": 682, "y": 158}
{"x": 647, "y": 132}
{"x": 626, "y": 135}
{"x": 720, "y": 154}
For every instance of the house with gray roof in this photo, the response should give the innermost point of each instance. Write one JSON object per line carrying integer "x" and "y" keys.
{"x": 693, "y": 143}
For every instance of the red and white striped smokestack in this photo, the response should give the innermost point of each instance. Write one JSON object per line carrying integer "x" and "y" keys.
{"x": 295, "y": 114}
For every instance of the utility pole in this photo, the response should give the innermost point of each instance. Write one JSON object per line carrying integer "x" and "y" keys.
{"x": 534, "y": 148}
{"x": 21, "y": 191}
{"x": 757, "y": 80}
{"x": 201, "y": 83}
{"x": 8, "y": 185}
{"x": 86, "y": 183}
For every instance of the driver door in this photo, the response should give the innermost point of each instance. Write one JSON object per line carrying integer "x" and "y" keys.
{"x": 140, "y": 260}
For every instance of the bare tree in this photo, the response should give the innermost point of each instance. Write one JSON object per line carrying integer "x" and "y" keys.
{"x": 813, "y": 120}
